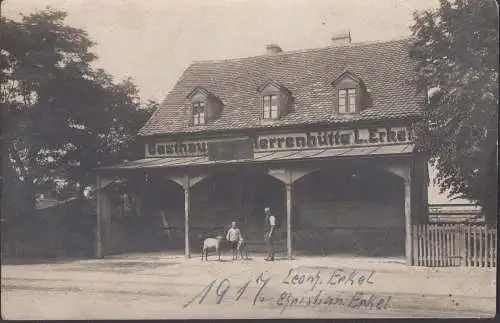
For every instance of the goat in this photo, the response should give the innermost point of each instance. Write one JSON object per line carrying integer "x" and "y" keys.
{"x": 211, "y": 243}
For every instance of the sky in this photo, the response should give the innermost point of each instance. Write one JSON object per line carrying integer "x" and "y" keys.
{"x": 154, "y": 41}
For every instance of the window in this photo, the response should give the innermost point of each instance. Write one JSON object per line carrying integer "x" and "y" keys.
{"x": 275, "y": 100}
{"x": 199, "y": 113}
{"x": 347, "y": 100}
{"x": 351, "y": 92}
{"x": 205, "y": 106}
{"x": 270, "y": 106}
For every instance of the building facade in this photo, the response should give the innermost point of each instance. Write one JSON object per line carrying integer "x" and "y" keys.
{"x": 323, "y": 136}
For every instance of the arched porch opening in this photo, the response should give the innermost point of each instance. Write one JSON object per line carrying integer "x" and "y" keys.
{"x": 235, "y": 194}
{"x": 136, "y": 222}
{"x": 349, "y": 209}
{"x": 163, "y": 214}
{"x": 215, "y": 200}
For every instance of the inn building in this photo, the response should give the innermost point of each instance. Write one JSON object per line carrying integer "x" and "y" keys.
{"x": 325, "y": 137}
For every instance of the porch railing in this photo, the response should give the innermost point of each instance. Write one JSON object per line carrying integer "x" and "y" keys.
{"x": 442, "y": 245}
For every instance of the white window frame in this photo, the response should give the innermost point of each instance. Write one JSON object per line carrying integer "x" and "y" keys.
{"x": 270, "y": 111}
{"x": 199, "y": 117}
{"x": 347, "y": 100}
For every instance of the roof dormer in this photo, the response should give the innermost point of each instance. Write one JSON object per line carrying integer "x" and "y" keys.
{"x": 350, "y": 93}
{"x": 275, "y": 100}
{"x": 204, "y": 106}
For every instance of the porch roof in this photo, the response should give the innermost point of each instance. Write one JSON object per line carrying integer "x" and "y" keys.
{"x": 171, "y": 162}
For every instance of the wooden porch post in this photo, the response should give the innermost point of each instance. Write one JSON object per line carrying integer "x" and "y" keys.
{"x": 289, "y": 219}
{"x": 186, "y": 220}
{"x": 186, "y": 181}
{"x": 404, "y": 171}
{"x": 408, "y": 223}
{"x": 288, "y": 176}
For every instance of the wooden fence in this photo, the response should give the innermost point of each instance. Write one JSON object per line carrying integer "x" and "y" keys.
{"x": 441, "y": 245}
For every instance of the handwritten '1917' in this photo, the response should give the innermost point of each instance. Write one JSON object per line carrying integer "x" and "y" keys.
{"x": 223, "y": 288}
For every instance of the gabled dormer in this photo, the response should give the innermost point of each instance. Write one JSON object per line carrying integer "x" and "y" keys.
{"x": 204, "y": 106}
{"x": 350, "y": 93}
{"x": 275, "y": 100}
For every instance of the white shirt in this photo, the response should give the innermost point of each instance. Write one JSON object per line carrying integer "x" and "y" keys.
{"x": 234, "y": 235}
{"x": 272, "y": 220}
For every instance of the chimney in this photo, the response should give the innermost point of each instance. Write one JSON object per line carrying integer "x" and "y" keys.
{"x": 273, "y": 49}
{"x": 341, "y": 38}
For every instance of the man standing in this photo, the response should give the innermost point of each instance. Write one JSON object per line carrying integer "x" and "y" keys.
{"x": 234, "y": 237}
{"x": 270, "y": 223}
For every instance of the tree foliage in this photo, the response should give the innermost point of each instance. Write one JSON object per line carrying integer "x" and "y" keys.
{"x": 456, "y": 50}
{"x": 61, "y": 117}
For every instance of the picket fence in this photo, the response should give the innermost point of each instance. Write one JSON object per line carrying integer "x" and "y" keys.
{"x": 441, "y": 245}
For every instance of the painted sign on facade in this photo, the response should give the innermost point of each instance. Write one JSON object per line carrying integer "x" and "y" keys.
{"x": 291, "y": 141}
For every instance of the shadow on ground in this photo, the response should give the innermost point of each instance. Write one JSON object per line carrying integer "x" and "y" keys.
{"x": 39, "y": 261}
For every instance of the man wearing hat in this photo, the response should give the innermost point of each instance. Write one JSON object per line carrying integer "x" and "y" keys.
{"x": 270, "y": 224}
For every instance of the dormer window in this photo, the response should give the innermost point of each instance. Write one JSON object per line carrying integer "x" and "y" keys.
{"x": 205, "y": 106}
{"x": 275, "y": 100}
{"x": 198, "y": 113}
{"x": 347, "y": 100}
{"x": 350, "y": 92}
{"x": 270, "y": 107}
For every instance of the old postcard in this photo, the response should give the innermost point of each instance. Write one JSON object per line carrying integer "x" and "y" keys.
{"x": 169, "y": 159}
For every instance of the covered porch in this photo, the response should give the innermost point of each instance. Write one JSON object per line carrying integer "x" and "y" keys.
{"x": 327, "y": 201}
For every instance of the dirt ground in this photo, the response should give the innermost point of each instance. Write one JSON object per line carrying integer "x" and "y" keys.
{"x": 161, "y": 286}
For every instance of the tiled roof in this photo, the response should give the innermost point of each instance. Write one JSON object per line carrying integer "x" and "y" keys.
{"x": 384, "y": 67}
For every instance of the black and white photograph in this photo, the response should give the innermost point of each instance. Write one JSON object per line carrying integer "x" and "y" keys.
{"x": 248, "y": 159}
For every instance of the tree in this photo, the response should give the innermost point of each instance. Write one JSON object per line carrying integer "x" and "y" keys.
{"x": 38, "y": 54}
{"x": 105, "y": 132}
{"x": 61, "y": 117}
{"x": 455, "y": 48}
